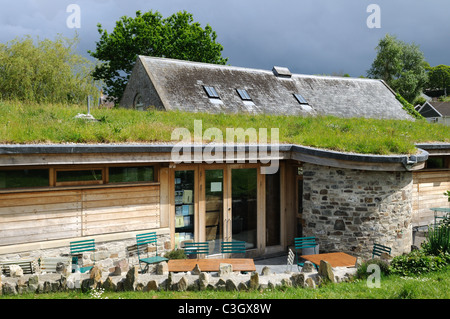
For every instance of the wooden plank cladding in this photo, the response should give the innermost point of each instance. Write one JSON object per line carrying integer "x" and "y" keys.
{"x": 428, "y": 192}
{"x": 41, "y": 216}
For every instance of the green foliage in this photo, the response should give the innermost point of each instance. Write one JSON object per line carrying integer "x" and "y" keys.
{"x": 447, "y": 193}
{"x": 418, "y": 262}
{"x": 176, "y": 254}
{"x": 45, "y": 71}
{"x": 420, "y": 100}
{"x": 177, "y": 37}
{"x": 401, "y": 65}
{"x": 408, "y": 107}
{"x": 439, "y": 77}
{"x": 438, "y": 238}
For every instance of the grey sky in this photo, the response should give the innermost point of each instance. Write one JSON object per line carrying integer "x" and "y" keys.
{"x": 307, "y": 36}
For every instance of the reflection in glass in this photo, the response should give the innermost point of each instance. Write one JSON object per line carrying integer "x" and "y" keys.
{"x": 214, "y": 209}
{"x": 184, "y": 206}
{"x": 244, "y": 205}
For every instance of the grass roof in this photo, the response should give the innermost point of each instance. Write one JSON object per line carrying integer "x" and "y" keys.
{"x": 22, "y": 123}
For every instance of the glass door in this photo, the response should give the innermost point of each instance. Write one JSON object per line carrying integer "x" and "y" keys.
{"x": 184, "y": 206}
{"x": 244, "y": 205}
{"x": 214, "y": 215}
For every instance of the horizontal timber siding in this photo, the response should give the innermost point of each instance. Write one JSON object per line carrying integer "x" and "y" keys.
{"x": 42, "y": 216}
{"x": 428, "y": 192}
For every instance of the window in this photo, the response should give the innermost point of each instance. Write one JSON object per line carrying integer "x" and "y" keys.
{"x": 184, "y": 206}
{"x": 138, "y": 104}
{"x": 79, "y": 177}
{"x": 131, "y": 174}
{"x": 24, "y": 178}
{"x": 244, "y": 95}
{"x": 211, "y": 91}
{"x": 300, "y": 98}
{"x": 436, "y": 162}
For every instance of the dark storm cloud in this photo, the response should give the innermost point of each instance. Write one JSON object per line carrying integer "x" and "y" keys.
{"x": 308, "y": 36}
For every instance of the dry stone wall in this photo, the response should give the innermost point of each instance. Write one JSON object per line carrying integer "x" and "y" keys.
{"x": 348, "y": 209}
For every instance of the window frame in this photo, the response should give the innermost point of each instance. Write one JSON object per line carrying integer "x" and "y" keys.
{"x": 80, "y": 183}
{"x": 103, "y": 183}
{"x": 301, "y": 99}
{"x": 132, "y": 182}
{"x": 243, "y": 94}
{"x": 211, "y": 92}
{"x": 49, "y": 177}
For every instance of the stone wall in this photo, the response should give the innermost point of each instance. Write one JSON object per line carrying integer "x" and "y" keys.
{"x": 348, "y": 210}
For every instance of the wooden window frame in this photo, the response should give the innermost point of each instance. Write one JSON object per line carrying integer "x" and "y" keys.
{"x": 80, "y": 183}
{"x": 54, "y": 185}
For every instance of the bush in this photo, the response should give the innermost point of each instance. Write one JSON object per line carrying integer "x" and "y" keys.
{"x": 418, "y": 262}
{"x": 176, "y": 254}
{"x": 362, "y": 273}
{"x": 438, "y": 238}
{"x": 45, "y": 71}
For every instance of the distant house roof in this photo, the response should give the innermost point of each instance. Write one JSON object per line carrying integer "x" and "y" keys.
{"x": 442, "y": 107}
{"x": 199, "y": 87}
{"x": 435, "y": 109}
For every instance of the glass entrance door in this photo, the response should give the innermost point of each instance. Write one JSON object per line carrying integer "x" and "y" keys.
{"x": 244, "y": 205}
{"x": 184, "y": 206}
{"x": 214, "y": 215}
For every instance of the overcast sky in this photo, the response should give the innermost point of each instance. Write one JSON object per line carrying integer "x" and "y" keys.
{"x": 307, "y": 36}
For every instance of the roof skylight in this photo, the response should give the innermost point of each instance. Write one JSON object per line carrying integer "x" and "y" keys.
{"x": 244, "y": 95}
{"x": 300, "y": 98}
{"x": 211, "y": 91}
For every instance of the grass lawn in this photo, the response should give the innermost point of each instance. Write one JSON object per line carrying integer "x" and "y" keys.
{"x": 22, "y": 123}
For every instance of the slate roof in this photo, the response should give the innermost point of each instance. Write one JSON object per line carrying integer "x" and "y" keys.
{"x": 435, "y": 109}
{"x": 179, "y": 86}
{"x": 442, "y": 107}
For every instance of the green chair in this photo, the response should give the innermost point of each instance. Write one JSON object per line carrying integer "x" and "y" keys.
{"x": 233, "y": 247}
{"x": 142, "y": 243}
{"x": 379, "y": 249}
{"x": 77, "y": 248}
{"x": 301, "y": 243}
{"x": 196, "y": 248}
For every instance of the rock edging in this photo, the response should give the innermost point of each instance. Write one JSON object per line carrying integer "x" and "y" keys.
{"x": 132, "y": 280}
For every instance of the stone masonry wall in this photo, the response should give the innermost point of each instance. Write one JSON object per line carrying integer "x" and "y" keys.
{"x": 348, "y": 210}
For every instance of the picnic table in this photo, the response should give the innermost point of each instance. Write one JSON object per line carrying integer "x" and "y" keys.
{"x": 338, "y": 259}
{"x": 211, "y": 265}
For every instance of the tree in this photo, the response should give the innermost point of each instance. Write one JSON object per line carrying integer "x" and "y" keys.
{"x": 45, "y": 71}
{"x": 402, "y": 66}
{"x": 439, "y": 77}
{"x": 177, "y": 37}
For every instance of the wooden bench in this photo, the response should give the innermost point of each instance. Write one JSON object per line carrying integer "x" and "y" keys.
{"x": 27, "y": 266}
{"x": 211, "y": 265}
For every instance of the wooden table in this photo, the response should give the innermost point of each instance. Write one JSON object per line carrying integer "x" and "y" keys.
{"x": 211, "y": 265}
{"x": 335, "y": 259}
